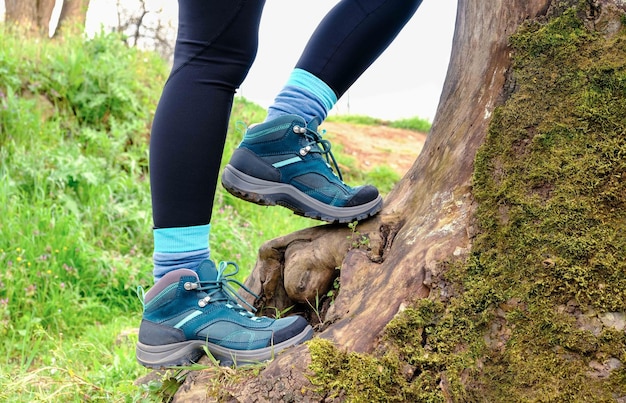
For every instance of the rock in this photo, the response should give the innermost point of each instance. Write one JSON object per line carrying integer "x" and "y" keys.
{"x": 603, "y": 370}
{"x": 616, "y": 320}
{"x": 589, "y": 323}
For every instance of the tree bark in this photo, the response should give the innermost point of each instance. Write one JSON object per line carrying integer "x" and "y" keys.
{"x": 34, "y": 15}
{"x": 397, "y": 257}
{"x": 73, "y": 14}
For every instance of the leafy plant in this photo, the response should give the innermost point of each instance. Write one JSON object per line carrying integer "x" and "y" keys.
{"x": 357, "y": 240}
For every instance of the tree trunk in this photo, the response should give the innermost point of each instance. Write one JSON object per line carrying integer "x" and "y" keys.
{"x": 34, "y": 15}
{"x": 387, "y": 264}
{"x": 73, "y": 14}
{"x": 427, "y": 218}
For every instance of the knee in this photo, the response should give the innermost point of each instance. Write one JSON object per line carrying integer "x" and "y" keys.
{"x": 233, "y": 64}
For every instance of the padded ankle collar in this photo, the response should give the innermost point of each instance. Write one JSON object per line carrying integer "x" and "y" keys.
{"x": 171, "y": 277}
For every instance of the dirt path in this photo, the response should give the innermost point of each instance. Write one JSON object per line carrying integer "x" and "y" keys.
{"x": 377, "y": 145}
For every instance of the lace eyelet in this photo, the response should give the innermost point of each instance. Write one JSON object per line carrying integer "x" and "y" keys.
{"x": 204, "y": 302}
{"x": 190, "y": 286}
{"x": 305, "y": 150}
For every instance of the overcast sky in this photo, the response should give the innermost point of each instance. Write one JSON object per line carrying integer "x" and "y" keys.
{"x": 405, "y": 81}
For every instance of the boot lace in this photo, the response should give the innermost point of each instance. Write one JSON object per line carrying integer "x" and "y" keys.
{"x": 317, "y": 144}
{"x": 221, "y": 290}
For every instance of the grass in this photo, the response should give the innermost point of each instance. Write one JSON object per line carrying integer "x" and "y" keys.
{"x": 75, "y": 234}
{"x": 415, "y": 123}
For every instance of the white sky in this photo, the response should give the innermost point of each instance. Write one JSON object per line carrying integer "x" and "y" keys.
{"x": 405, "y": 81}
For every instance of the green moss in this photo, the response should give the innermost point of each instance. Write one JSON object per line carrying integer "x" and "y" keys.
{"x": 355, "y": 377}
{"x": 549, "y": 178}
{"x": 550, "y": 184}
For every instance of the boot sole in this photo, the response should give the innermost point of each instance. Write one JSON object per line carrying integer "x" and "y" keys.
{"x": 189, "y": 352}
{"x": 267, "y": 193}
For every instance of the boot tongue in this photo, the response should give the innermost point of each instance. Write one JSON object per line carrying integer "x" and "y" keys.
{"x": 207, "y": 271}
{"x": 313, "y": 124}
{"x": 221, "y": 291}
{"x": 317, "y": 137}
{"x": 325, "y": 150}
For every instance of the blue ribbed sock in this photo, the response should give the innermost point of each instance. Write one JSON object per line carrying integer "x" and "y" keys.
{"x": 304, "y": 95}
{"x": 181, "y": 247}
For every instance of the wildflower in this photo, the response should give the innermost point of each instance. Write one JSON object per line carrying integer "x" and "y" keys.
{"x": 4, "y": 301}
{"x": 19, "y": 258}
{"x": 30, "y": 290}
{"x": 68, "y": 268}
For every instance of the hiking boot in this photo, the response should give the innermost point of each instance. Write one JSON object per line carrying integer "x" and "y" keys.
{"x": 285, "y": 162}
{"x": 187, "y": 311}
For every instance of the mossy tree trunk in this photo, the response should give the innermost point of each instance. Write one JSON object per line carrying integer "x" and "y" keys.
{"x": 483, "y": 278}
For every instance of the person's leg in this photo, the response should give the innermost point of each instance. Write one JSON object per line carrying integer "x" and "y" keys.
{"x": 190, "y": 306}
{"x": 281, "y": 161}
{"x": 215, "y": 47}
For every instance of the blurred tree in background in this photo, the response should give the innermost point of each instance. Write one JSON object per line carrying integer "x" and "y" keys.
{"x": 36, "y": 15}
{"x": 146, "y": 25}
{"x": 143, "y": 24}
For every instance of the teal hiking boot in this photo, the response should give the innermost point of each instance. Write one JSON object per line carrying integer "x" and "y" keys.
{"x": 186, "y": 312}
{"x": 285, "y": 162}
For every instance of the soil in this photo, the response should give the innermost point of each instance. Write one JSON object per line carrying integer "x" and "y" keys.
{"x": 371, "y": 146}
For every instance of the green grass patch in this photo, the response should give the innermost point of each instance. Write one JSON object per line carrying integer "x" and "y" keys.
{"x": 415, "y": 123}
{"x": 355, "y": 119}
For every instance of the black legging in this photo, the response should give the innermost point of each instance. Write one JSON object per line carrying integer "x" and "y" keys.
{"x": 216, "y": 45}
